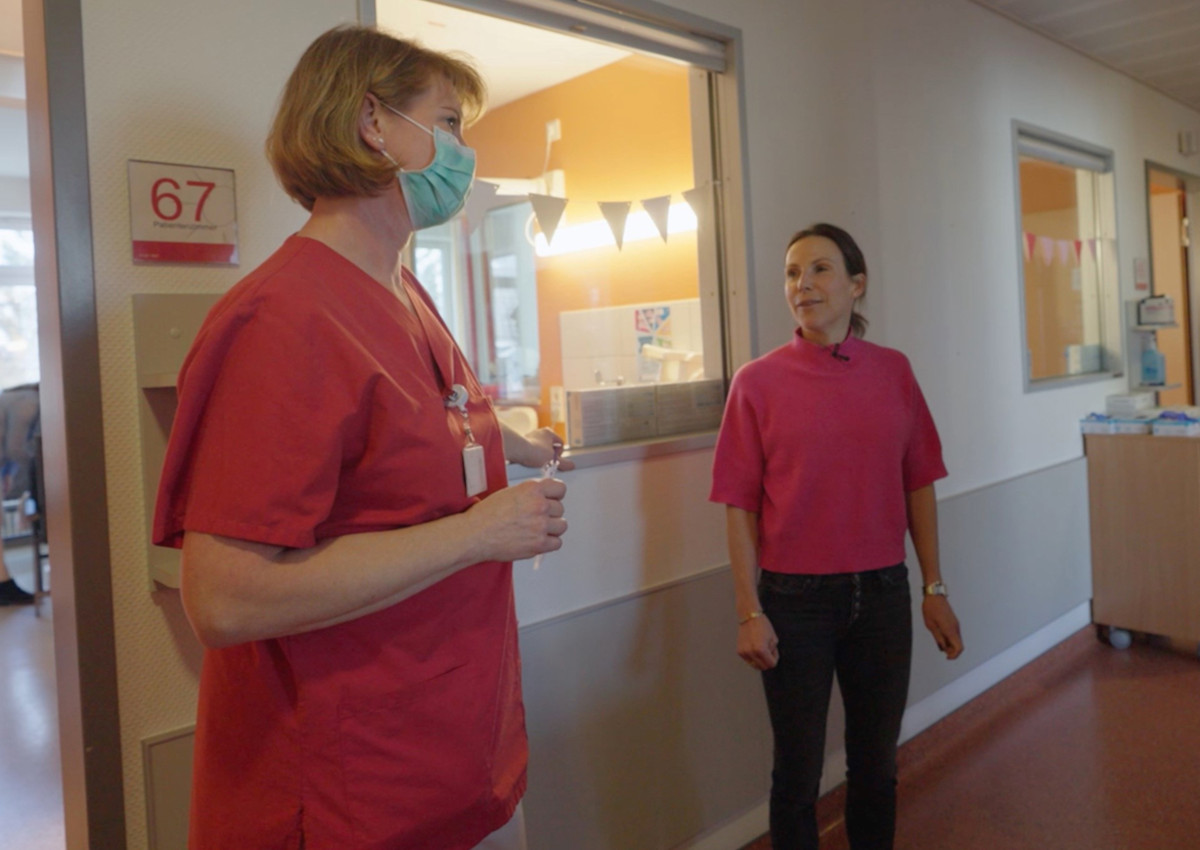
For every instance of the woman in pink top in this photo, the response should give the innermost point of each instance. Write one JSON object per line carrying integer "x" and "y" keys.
{"x": 826, "y": 458}
{"x": 336, "y": 480}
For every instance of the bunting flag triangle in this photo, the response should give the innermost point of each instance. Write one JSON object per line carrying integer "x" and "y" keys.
{"x": 658, "y": 209}
{"x": 1027, "y": 242}
{"x": 615, "y": 213}
{"x": 548, "y": 210}
{"x": 1046, "y": 244}
{"x": 698, "y": 199}
{"x": 479, "y": 202}
{"x": 1064, "y": 250}
{"x": 1091, "y": 243}
{"x": 1078, "y": 250}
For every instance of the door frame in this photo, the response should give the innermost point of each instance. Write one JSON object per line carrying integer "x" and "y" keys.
{"x": 72, "y": 419}
{"x": 1192, "y": 197}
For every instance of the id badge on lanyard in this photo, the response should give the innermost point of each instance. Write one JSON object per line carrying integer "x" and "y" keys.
{"x": 474, "y": 461}
{"x": 473, "y": 458}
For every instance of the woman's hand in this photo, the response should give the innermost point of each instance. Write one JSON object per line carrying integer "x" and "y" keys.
{"x": 943, "y": 625}
{"x": 521, "y": 521}
{"x": 757, "y": 644}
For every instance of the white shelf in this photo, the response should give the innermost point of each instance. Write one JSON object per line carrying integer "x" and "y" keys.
{"x": 1153, "y": 388}
{"x": 1148, "y": 329}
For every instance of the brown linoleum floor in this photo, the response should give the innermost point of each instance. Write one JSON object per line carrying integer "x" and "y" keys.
{"x": 1087, "y": 748}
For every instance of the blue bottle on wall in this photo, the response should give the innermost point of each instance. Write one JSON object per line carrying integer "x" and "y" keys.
{"x": 1154, "y": 367}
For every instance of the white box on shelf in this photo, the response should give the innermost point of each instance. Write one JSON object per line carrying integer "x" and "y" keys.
{"x": 1175, "y": 425}
{"x": 1096, "y": 423}
{"x": 1128, "y": 404}
{"x": 1131, "y": 426}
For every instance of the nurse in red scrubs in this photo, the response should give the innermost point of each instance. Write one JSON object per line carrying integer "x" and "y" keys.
{"x": 336, "y": 480}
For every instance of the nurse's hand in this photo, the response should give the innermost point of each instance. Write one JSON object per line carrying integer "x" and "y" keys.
{"x": 536, "y": 449}
{"x": 520, "y": 521}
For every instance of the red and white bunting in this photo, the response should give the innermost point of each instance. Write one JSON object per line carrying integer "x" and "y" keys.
{"x": 480, "y": 200}
{"x": 658, "y": 209}
{"x": 699, "y": 198}
{"x": 615, "y": 213}
{"x": 548, "y": 210}
{"x": 1046, "y": 249}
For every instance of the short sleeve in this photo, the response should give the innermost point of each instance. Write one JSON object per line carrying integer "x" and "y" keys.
{"x": 266, "y": 410}
{"x": 739, "y": 459}
{"x": 923, "y": 463}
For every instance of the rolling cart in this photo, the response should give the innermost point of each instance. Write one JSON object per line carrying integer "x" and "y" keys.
{"x": 1144, "y": 506}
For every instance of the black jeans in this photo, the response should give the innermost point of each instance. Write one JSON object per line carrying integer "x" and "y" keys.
{"x": 859, "y": 625}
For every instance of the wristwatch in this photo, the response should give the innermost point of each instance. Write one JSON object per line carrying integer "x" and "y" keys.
{"x": 936, "y": 588}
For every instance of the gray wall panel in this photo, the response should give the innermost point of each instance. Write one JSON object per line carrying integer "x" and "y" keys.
{"x": 647, "y": 730}
{"x": 645, "y": 727}
{"x": 1016, "y": 556}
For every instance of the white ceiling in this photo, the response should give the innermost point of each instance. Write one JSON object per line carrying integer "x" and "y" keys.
{"x": 1154, "y": 41}
{"x": 516, "y": 60}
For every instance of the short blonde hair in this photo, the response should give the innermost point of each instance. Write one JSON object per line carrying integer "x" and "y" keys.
{"x": 314, "y": 144}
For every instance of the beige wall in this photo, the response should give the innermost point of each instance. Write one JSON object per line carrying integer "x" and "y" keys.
{"x": 191, "y": 83}
{"x": 893, "y": 119}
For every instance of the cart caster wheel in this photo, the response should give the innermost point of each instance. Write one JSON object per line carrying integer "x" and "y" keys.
{"x": 1119, "y": 638}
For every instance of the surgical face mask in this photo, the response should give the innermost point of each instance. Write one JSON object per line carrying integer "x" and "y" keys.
{"x": 435, "y": 194}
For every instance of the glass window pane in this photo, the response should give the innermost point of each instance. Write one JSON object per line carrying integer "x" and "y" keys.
{"x": 607, "y": 296}
{"x": 1069, "y": 253}
{"x": 18, "y": 335}
{"x": 16, "y": 247}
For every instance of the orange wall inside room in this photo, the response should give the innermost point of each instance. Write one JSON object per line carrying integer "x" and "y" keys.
{"x": 1053, "y": 307}
{"x": 626, "y": 135}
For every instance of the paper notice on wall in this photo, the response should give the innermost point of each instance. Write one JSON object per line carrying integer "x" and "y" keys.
{"x": 1141, "y": 274}
{"x": 652, "y": 326}
{"x": 182, "y": 213}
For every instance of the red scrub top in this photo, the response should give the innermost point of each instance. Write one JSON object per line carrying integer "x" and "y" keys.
{"x": 311, "y": 406}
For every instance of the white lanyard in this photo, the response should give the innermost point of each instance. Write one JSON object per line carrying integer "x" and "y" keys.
{"x": 473, "y": 458}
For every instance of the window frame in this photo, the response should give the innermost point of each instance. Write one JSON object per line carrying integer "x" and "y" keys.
{"x": 1051, "y": 146}
{"x": 726, "y": 267}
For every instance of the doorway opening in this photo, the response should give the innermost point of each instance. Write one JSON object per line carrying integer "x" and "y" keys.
{"x": 1171, "y": 202}
{"x": 31, "y": 798}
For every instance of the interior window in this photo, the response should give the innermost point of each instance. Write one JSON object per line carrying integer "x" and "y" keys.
{"x": 572, "y": 278}
{"x": 1069, "y": 253}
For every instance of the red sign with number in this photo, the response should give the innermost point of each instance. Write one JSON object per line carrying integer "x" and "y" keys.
{"x": 182, "y": 213}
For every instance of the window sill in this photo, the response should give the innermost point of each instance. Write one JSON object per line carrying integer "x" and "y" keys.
{"x": 626, "y": 452}
{"x": 1070, "y": 381}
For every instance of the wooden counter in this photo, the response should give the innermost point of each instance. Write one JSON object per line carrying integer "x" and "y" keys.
{"x": 1144, "y": 498}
